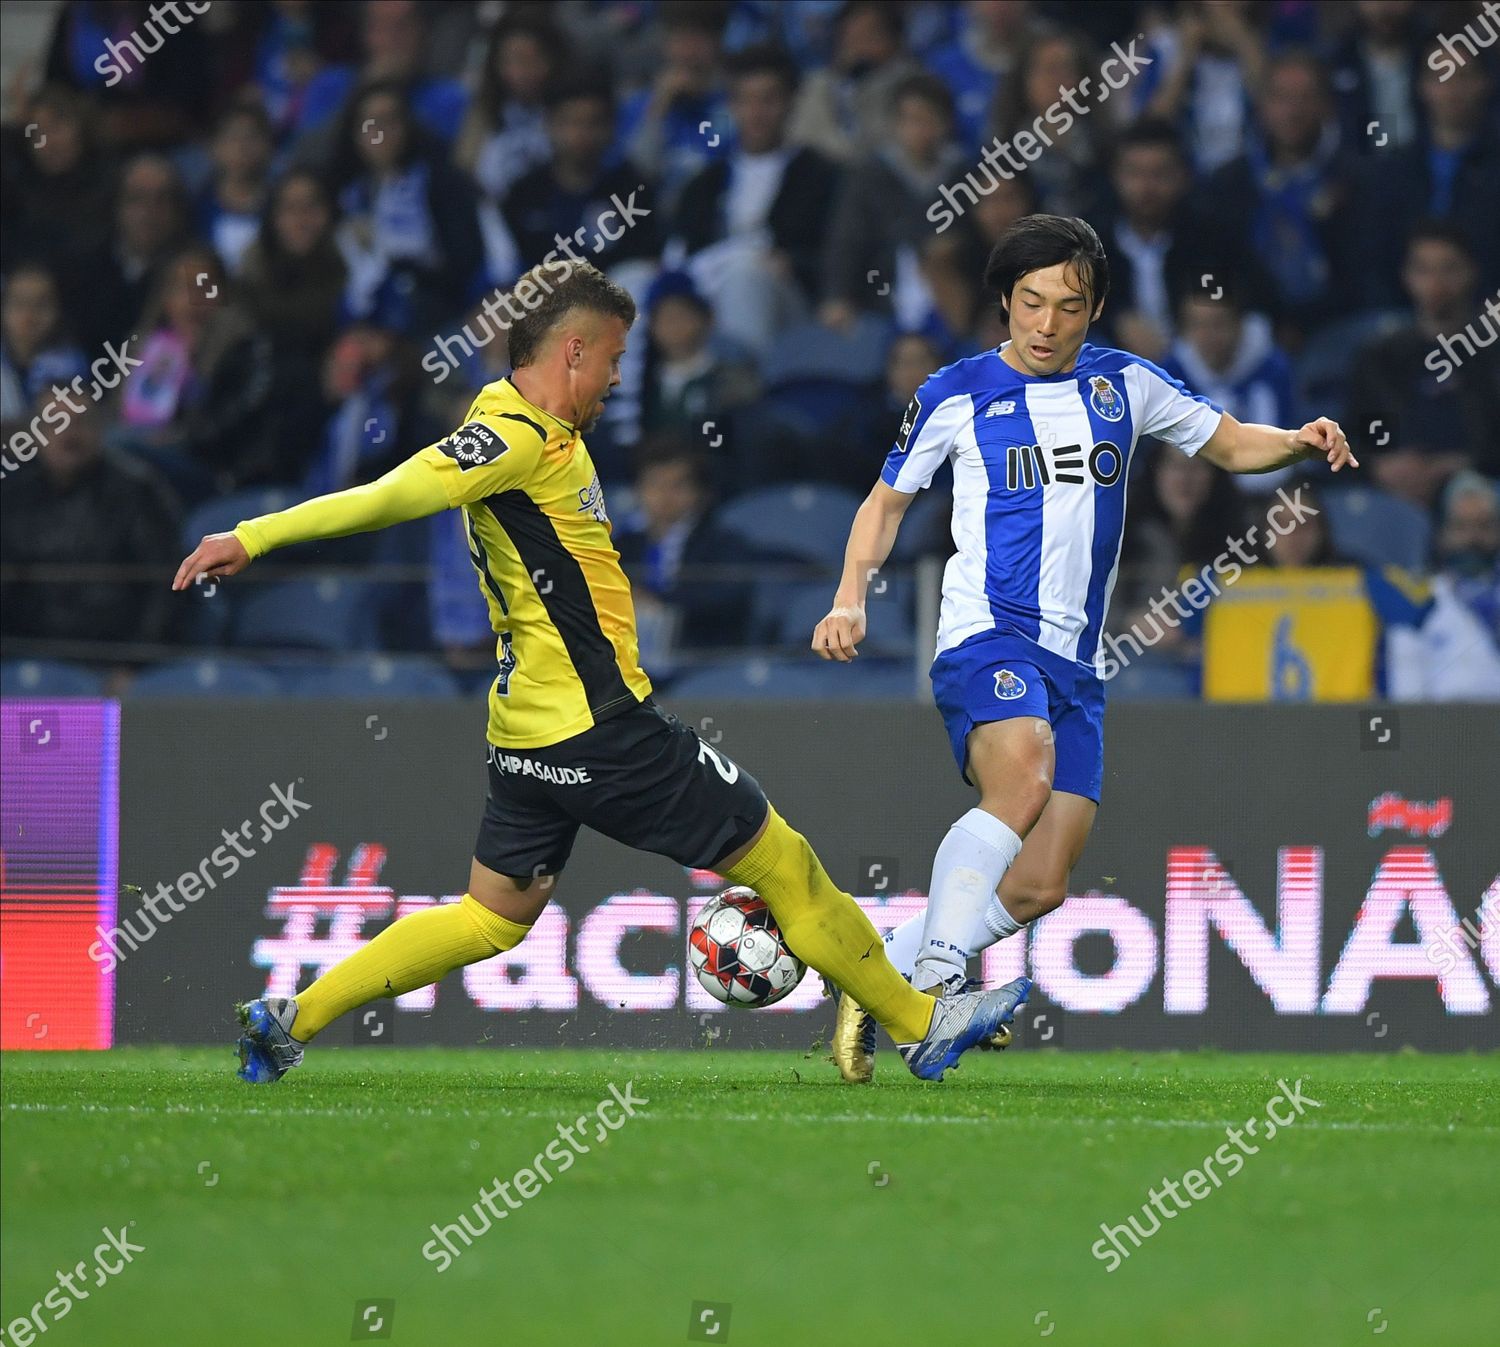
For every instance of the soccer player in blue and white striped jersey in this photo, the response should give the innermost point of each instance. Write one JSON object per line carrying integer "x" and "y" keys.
{"x": 1040, "y": 434}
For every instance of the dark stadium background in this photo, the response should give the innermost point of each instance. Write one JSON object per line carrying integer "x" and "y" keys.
{"x": 1323, "y": 180}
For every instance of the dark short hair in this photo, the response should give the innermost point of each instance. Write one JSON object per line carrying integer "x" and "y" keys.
{"x": 1036, "y": 242}
{"x": 1150, "y": 133}
{"x": 672, "y": 448}
{"x": 579, "y": 86}
{"x": 702, "y": 16}
{"x": 34, "y": 266}
{"x": 1291, "y": 58}
{"x": 765, "y": 59}
{"x": 888, "y": 15}
{"x": 246, "y": 110}
{"x": 931, "y": 90}
{"x": 1433, "y": 230}
{"x": 1228, "y": 289}
{"x": 567, "y": 287}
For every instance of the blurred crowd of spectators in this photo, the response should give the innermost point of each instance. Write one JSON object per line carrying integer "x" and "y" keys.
{"x": 293, "y": 217}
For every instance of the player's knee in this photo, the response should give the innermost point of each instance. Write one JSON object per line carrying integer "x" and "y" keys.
{"x": 1026, "y": 901}
{"x": 1019, "y": 790}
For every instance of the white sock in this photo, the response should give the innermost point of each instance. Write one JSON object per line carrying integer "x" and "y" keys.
{"x": 997, "y": 924}
{"x": 970, "y": 864}
{"x": 903, "y": 944}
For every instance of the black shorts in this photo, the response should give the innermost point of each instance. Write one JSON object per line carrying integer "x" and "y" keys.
{"x": 642, "y": 777}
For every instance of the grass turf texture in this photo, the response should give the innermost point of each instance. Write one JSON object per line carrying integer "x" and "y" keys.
{"x": 754, "y": 1180}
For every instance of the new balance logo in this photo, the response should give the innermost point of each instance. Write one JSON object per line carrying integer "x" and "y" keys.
{"x": 999, "y": 409}
{"x": 1027, "y": 465}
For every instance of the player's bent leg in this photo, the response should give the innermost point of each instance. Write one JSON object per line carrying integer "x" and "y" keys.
{"x": 829, "y": 932}
{"x": 825, "y": 927}
{"x": 1038, "y": 881}
{"x": 1012, "y": 762}
{"x": 653, "y": 783}
{"x": 1035, "y": 883}
{"x": 516, "y": 899}
{"x": 422, "y": 948}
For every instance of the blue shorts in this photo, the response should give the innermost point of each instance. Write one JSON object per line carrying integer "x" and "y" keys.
{"x": 998, "y": 676}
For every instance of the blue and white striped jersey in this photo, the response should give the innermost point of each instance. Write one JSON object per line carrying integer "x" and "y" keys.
{"x": 1039, "y": 473}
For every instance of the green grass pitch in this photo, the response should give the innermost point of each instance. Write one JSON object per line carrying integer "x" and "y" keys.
{"x": 789, "y": 1209}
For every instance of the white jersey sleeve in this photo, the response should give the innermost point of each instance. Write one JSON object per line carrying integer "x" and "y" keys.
{"x": 932, "y": 423}
{"x": 1166, "y": 410}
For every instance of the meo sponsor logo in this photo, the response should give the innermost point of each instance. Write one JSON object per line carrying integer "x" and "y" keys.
{"x": 1027, "y": 466}
{"x": 543, "y": 771}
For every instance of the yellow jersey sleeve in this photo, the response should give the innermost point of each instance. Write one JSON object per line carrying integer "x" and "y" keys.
{"x": 411, "y": 490}
{"x": 482, "y": 458}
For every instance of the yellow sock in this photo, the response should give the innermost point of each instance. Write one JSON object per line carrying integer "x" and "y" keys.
{"x": 420, "y": 948}
{"x": 825, "y": 928}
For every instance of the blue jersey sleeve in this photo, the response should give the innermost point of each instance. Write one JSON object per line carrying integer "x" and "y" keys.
{"x": 934, "y": 420}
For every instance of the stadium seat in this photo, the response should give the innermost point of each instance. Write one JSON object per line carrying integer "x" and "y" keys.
{"x": 1372, "y": 527}
{"x": 222, "y": 514}
{"x": 889, "y": 616}
{"x": 808, "y": 409}
{"x": 808, "y": 679}
{"x": 207, "y": 614}
{"x": 379, "y": 676}
{"x": 323, "y": 614}
{"x": 1154, "y": 680}
{"x": 925, "y": 526}
{"x": 801, "y": 519}
{"x": 209, "y": 677}
{"x": 48, "y": 678}
{"x": 1326, "y": 362}
{"x": 812, "y": 351}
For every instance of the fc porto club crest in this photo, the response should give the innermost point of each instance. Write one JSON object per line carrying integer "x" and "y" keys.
{"x": 1104, "y": 400}
{"x": 1008, "y": 687}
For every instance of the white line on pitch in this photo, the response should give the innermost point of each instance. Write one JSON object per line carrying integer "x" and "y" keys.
{"x": 919, "y": 1119}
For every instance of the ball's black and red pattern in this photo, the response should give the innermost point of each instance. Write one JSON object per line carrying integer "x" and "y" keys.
{"x": 737, "y": 953}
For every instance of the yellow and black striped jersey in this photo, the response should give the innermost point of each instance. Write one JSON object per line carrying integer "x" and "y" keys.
{"x": 539, "y": 537}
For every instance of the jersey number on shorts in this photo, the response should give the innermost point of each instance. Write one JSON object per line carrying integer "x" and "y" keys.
{"x": 728, "y": 770}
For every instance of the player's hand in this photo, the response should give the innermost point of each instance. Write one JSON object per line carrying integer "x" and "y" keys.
{"x": 837, "y": 635}
{"x": 218, "y": 554}
{"x": 1324, "y": 439}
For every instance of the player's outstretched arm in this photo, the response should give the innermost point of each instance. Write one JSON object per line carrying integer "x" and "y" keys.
{"x": 870, "y": 542}
{"x": 1239, "y": 447}
{"x": 411, "y": 490}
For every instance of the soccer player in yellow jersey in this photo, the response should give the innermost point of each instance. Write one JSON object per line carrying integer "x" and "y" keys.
{"x": 575, "y": 738}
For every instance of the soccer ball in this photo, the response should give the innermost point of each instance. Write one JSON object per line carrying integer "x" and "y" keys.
{"x": 738, "y": 954}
